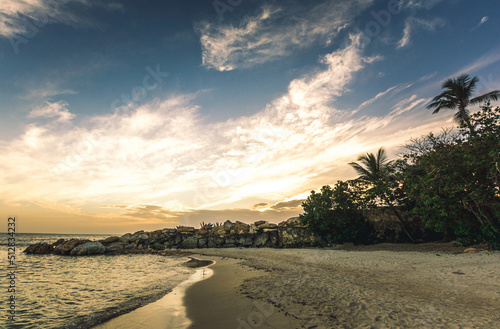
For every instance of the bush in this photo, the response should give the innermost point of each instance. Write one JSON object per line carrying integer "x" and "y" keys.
{"x": 335, "y": 214}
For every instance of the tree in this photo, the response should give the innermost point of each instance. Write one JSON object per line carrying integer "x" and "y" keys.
{"x": 336, "y": 214}
{"x": 457, "y": 94}
{"x": 455, "y": 184}
{"x": 375, "y": 171}
{"x": 372, "y": 167}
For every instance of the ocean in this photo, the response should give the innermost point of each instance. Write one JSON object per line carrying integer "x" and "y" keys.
{"x": 79, "y": 292}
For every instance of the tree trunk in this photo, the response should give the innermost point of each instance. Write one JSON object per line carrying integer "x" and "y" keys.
{"x": 398, "y": 215}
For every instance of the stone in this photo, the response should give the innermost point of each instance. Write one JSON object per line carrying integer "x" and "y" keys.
{"x": 228, "y": 226}
{"x": 211, "y": 243}
{"x": 471, "y": 251}
{"x": 261, "y": 239}
{"x": 155, "y": 234}
{"x": 259, "y": 222}
{"x": 219, "y": 240}
{"x": 169, "y": 231}
{"x": 267, "y": 226}
{"x": 185, "y": 229}
{"x": 39, "y": 248}
{"x": 110, "y": 240}
{"x": 218, "y": 230}
{"x": 89, "y": 248}
{"x": 126, "y": 237}
{"x": 68, "y": 246}
{"x": 116, "y": 247}
{"x": 241, "y": 228}
{"x": 202, "y": 243}
{"x": 190, "y": 242}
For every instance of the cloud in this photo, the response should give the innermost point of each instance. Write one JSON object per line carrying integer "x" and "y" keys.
{"x": 23, "y": 17}
{"x": 51, "y": 110}
{"x": 419, "y": 4}
{"x": 413, "y": 23}
{"x": 483, "y": 20}
{"x": 273, "y": 33}
{"x": 260, "y": 205}
{"x": 170, "y": 165}
{"x": 288, "y": 205}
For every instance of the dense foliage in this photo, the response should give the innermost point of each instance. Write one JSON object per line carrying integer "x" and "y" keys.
{"x": 335, "y": 213}
{"x": 451, "y": 182}
{"x": 454, "y": 184}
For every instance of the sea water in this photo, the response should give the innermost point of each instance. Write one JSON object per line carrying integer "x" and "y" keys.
{"x": 79, "y": 292}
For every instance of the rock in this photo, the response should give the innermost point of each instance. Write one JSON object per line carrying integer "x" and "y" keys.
{"x": 155, "y": 234}
{"x": 252, "y": 229}
{"x": 219, "y": 240}
{"x": 202, "y": 243}
{"x": 169, "y": 231}
{"x": 218, "y": 230}
{"x": 110, "y": 240}
{"x": 261, "y": 239}
{"x": 471, "y": 251}
{"x": 211, "y": 243}
{"x": 268, "y": 226}
{"x": 294, "y": 222}
{"x": 58, "y": 242}
{"x": 117, "y": 247}
{"x": 39, "y": 248}
{"x": 68, "y": 246}
{"x": 190, "y": 242}
{"x": 228, "y": 226}
{"x": 185, "y": 229}
{"x": 89, "y": 248}
{"x": 241, "y": 228}
{"x": 126, "y": 237}
{"x": 260, "y": 222}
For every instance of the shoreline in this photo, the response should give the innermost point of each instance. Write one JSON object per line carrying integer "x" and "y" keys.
{"x": 217, "y": 302}
{"x": 168, "y": 312}
{"x": 428, "y": 286}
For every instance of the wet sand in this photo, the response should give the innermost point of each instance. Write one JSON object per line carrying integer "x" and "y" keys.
{"x": 386, "y": 286}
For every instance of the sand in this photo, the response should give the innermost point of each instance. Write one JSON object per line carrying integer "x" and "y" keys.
{"x": 384, "y": 286}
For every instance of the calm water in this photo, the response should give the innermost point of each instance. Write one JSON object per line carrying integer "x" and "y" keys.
{"x": 79, "y": 292}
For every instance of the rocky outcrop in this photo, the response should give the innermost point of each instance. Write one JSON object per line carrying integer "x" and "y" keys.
{"x": 39, "y": 248}
{"x": 260, "y": 234}
{"x": 87, "y": 249}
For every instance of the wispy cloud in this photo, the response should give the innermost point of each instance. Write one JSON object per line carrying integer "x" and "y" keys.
{"x": 58, "y": 110}
{"x": 22, "y": 16}
{"x": 274, "y": 32}
{"x": 483, "y": 20}
{"x": 413, "y": 24}
{"x": 167, "y": 162}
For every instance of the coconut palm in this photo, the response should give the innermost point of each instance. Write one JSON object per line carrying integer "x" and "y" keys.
{"x": 371, "y": 166}
{"x": 457, "y": 94}
{"x": 374, "y": 170}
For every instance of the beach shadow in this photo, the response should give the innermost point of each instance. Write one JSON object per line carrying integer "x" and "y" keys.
{"x": 195, "y": 263}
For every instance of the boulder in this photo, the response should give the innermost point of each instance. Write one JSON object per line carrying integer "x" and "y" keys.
{"x": 259, "y": 222}
{"x": 117, "y": 247}
{"x": 110, "y": 240}
{"x": 155, "y": 234}
{"x": 39, "y": 248}
{"x": 261, "y": 239}
{"x": 126, "y": 238}
{"x": 241, "y": 228}
{"x": 190, "y": 242}
{"x": 68, "y": 246}
{"x": 186, "y": 229}
{"x": 169, "y": 231}
{"x": 268, "y": 226}
{"x": 218, "y": 230}
{"x": 87, "y": 249}
{"x": 228, "y": 226}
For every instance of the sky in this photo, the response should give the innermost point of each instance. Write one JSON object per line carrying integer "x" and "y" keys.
{"x": 118, "y": 116}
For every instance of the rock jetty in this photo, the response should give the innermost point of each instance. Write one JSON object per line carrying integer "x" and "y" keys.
{"x": 261, "y": 234}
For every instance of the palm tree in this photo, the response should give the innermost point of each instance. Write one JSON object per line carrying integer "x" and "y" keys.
{"x": 373, "y": 170}
{"x": 457, "y": 93}
{"x": 372, "y": 166}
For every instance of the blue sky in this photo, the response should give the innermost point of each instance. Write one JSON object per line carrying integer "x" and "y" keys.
{"x": 140, "y": 115}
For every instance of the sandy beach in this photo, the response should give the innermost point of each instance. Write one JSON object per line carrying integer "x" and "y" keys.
{"x": 382, "y": 286}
